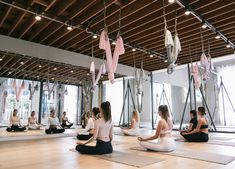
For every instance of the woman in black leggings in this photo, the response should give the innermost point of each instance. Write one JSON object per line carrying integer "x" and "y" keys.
{"x": 88, "y": 132}
{"x": 192, "y": 123}
{"x": 15, "y": 123}
{"x": 65, "y": 122}
{"x": 54, "y": 125}
{"x": 103, "y": 134}
{"x": 200, "y": 133}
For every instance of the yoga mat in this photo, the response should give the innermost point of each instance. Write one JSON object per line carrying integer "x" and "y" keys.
{"x": 224, "y": 143}
{"x": 129, "y": 159}
{"x": 203, "y": 156}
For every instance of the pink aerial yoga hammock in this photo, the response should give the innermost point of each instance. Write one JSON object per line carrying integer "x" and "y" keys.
{"x": 92, "y": 71}
{"x": 119, "y": 50}
{"x": 196, "y": 78}
{"x": 206, "y": 66}
{"x": 18, "y": 92}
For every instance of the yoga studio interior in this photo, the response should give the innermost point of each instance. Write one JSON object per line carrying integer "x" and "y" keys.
{"x": 117, "y": 84}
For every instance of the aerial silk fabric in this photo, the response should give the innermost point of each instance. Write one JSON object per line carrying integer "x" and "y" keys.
{"x": 206, "y": 66}
{"x": 195, "y": 72}
{"x": 92, "y": 71}
{"x": 18, "y": 90}
{"x": 139, "y": 77}
{"x": 173, "y": 49}
{"x": 32, "y": 88}
{"x": 50, "y": 90}
{"x": 112, "y": 62}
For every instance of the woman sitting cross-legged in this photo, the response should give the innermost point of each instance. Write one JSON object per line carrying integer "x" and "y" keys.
{"x": 53, "y": 124}
{"x": 200, "y": 133}
{"x": 64, "y": 120}
{"x": 32, "y": 122}
{"x": 15, "y": 123}
{"x": 193, "y": 122}
{"x": 88, "y": 132}
{"x": 103, "y": 133}
{"x": 135, "y": 123}
{"x": 162, "y": 140}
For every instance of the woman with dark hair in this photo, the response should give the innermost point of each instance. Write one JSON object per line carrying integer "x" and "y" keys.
{"x": 64, "y": 120}
{"x": 88, "y": 132}
{"x": 53, "y": 124}
{"x": 162, "y": 139}
{"x": 32, "y": 122}
{"x": 193, "y": 122}
{"x": 15, "y": 123}
{"x": 135, "y": 124}
{"x": 103, "y": 133}
{"x": 200, "y": 133}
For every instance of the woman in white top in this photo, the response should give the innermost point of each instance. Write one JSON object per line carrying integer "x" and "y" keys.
{"x": 88, "y": 132}
{"x": 53, "y": 124}
{"x": 64, "y": 120}
{"x": 103, "y": 133}
{"x": 32, "y": 122}
{"x": 162, "y": 140}
{"x": 135, "y": 123}
{"x": 15, "y": 123}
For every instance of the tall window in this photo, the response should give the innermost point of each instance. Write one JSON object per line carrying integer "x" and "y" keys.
{"x": 114, "y": 94}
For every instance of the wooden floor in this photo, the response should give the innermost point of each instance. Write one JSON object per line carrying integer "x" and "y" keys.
{"x": 55, "y": 154}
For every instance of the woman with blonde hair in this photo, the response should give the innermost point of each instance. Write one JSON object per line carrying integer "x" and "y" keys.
{"x": 135, "y": 123}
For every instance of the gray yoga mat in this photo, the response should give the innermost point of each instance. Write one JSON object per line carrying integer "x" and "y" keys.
{"x": 224, "y": 143}
{"x": 203, "y": 156}
{"x": 129, "y": 159}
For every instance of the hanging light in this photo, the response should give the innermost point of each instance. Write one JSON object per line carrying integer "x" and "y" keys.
{"x": 80, "y": 82}
{"x": 228, "y": 45}
{"x": 204, "y": 25}
{"x": 133, "y": 50}
{"x": 71, "y": 71}
{"x": 151, "y": 55}
{"x": 40, "y": 66}
{"x": 52, "y": 78}
{"x": 95, "y": 36}
{"x": 101, "y": 76}
{"x": 9, "y": 73}
{"x": 217, "y": 36}
{"x": 38, "y": 76}
{"x": 171, "y": 1}
{"x": 67, "y": 80}
{"x": 88, "y": 74}
{"x": 38, "y": 18}
{"x": 69, "y": 28}
{"x": 55, "y": 68}
{"x": 21, "y": 63}
{"x": 187, "y": 12}
{"x": 165, "y": 61}
{"x": 26, "y": 74}
{"x": 1, "y": 59}
{"x": 113, "y": 43}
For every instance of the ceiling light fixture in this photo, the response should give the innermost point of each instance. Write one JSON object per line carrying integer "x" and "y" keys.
{"x": 55, "y": 68}
{"x": 133, "y": 50}
{"x": 217, "y": 36}
{"x": 1, "y": 59}
{"x": 9, "y": 73}
{"x": 187, "y": 12}
{"x": 165, "y": 61}
{"x": 228, "y": 45}
{"x": 95, "y": 36}
{"x": 40, "y": 66}
{"x": 21, "y": 63}
{"x": 113, "y": 43}
{"x": 71, "y": 71}
{"x": 171, "y": 1}
{"x": 151, "y": 55}
{"x": 69, "y": 28}
{"x": 38, "y": 18}
{"x": 204, "y": 25}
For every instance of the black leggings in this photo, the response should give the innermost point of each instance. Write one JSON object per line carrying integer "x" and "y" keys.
{"x": 54, "y": 130}
{"x": 196, "y": 137}
{"x": 100, "y": 148}
{"x": 84, "y": 137}
{"x": 15, "y": 128}
{"x": 64, "y": 125}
